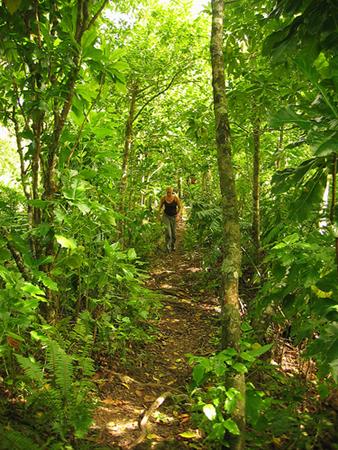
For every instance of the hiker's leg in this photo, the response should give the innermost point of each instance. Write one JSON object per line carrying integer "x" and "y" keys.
{"x": 168, "y": 235}
{"x": 173, "y": 232}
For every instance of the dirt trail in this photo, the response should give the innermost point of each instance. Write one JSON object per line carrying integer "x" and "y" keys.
{"x": 133, "y": 413}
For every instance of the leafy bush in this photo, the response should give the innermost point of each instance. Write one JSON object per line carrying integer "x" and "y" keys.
{"x": 213, "y": 401}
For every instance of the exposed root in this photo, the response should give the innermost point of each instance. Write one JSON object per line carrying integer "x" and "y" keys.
{"x": 147, "y": 415}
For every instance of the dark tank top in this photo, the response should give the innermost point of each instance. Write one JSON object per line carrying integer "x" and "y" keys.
{"x": 170, "y": 209}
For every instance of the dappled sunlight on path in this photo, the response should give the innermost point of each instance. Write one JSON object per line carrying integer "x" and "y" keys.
{"x": 145, "y": 404}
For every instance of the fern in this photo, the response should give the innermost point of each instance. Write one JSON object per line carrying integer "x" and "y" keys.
{"x": 86, "y": 364}
{"x": 14, "y": 440}
{"x": 81, "y": 418}
{"x": 32, "y": 369}
{"x": 60, "y": 364}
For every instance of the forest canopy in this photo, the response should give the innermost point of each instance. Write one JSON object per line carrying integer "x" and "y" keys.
{"x": 234, "y": 105}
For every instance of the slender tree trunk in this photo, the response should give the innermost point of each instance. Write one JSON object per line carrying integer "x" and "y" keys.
{"x": 334, "y": 200}
{"x": 333, "y": 189}
{"x": 206, "y": 182}
{"x": 256, "y": 191}
{"x": 128, "y": 142}
{"x": 231, "y": 266}
{"x": 279, "y": 160}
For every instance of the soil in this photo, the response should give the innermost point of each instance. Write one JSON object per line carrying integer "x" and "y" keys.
{"x": 145, "y": 403}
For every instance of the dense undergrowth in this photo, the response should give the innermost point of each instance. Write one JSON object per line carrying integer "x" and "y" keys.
{"x": 47, "y": 391}
{"x": 290, "y": 314}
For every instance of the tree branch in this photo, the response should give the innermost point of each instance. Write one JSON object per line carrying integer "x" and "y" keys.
{"x": 93, "y": 19}
{"x": 18, "y": 260}
{"x": 156, "y": 95}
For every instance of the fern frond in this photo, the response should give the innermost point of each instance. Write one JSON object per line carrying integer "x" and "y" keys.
{"x": 86, "y": 364}
{"x": 60, "y": 365}
{"x": 32, "y": 369}
{"x": 81, "y": 418}
{"x": 14, "y": 440}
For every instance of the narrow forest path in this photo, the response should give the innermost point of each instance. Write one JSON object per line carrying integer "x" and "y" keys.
{"x": 131, "y": 414}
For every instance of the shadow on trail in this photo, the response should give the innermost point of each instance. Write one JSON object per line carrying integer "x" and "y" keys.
{"x": 145, "y": 405}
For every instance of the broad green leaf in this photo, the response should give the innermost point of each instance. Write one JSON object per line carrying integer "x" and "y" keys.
{"x": 239, "y": 367}
{"x": 198, "y": 373}
{"x": 334, "y": 369}
{"x": 286, "y": 116}
{"x": 108, "y": 218}
{"x": 5, "y": 255}
{"x": 31, "y": 289}
{"x": 188, "y": 434}
{"x": 131, "y": 254}
{"x": 39, "y": 203}
{"x": 328, "y": 147}
{"x": 323, "y": 390}
{"x": 258, "y": 351}
{"x": 83, "y": 207}
{"x": 231, "y": 426}
{"x": 15, "y": 336}
{"x": 12, "y": 5}
{"x": 210, "y": 411}
{"x": 88, "y": 38}
{"x": 38, "y": 336}
{"x": 66, "y": 242}
{"x": 73, "y": 261}
{"x": 47, "y": 281}
{"x": 102, "y": 132}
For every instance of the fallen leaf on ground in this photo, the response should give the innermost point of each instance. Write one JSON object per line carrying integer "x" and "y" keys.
{"x": 189, "y": 434}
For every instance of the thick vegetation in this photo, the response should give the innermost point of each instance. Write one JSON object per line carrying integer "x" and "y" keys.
{"x": 104, "y": 105}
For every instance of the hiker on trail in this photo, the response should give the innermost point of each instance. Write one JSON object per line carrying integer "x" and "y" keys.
{"x": 172, "y": 208}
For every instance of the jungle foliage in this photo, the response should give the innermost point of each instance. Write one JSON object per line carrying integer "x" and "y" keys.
{"x": 102, "y": 106}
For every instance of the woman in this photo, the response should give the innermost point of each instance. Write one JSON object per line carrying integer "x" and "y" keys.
{"x": 172, "y": 208}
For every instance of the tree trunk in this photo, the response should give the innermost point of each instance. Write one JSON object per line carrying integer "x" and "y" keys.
{"x": 333, "y": 189}
{"x": 128, "y": 143}
{"x": 256, "y": 191}
{"x": 231, "y": 321}
{"x": 334, "y": 200}
{"x": 279, "y": 163}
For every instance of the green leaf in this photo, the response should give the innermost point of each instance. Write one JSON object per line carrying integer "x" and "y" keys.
{"x": 32, "y": 368}
{"x": 73, "y": 261}
{"x": 31, "y": 289}
{"x": 334, "y": 369}
{"x": 210, "y": 411}
{"x": 198, "y": 373}
{"x": 323, "y": 390}
{"x": 47, "y": 281}
{"x": 258, "y": 351}
{"x": 4, "y": 255}
{"x": 88, "y": 38}
{"x": 102, "y": 132}
{"x": 108, "y": 218}
{"x": 38, "y": 336}
{"x": 12, "y": 5}
{"x": 15, "y": 336}
{"x": 66, "y": 242}
{"x": 188, "y": 434}
{"x": 328, "y": 147}
{"x": 286, "y": 116}
{"x": 83, "y": 207}
{"x": 231, "y": 426}
{"x": 39, "y": 203}
{"x": 131, "y": 254}
{"x": 240, "y": 368}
